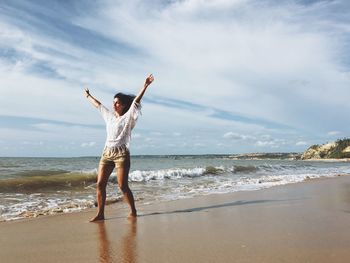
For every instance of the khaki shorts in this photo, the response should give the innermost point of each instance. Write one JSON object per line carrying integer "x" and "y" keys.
{"x": 115, "y": 157}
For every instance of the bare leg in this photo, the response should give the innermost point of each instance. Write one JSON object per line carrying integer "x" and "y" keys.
{"x": 104, "y": 171}
{"x": 123, "y": 176}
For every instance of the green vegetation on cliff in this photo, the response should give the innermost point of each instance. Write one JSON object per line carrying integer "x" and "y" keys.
{"x": 335, "y": 150}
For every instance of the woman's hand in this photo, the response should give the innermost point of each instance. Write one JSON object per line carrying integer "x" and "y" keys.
{"x": 87, "y": 92}
{"x": 148, "y": 80}
{"x": 93, "y": 101}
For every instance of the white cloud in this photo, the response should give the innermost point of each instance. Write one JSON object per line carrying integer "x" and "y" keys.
{"x": 236, "y": 136}
{"x": 271, "y": 143}
{"x": 88, "y": 144}
{"x": 266, "y": 143}
{"x": 156, "y": 133}
{"x": 256, "y": 56}
{"x": 283, "y": 62}
{"x": 136, "y": 135}
{"x": 333, "y": 133}
{"x": 38, "y": 143}
{"x": 301, "y": 143}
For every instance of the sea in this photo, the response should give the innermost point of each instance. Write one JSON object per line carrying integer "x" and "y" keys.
{"x": 30, "y": 187}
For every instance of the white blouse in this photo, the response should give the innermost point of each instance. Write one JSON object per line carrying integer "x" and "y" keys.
{"x": 119, "y": 128}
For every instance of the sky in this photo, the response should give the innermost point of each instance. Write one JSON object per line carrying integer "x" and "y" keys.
{"x": 231, "y": 77}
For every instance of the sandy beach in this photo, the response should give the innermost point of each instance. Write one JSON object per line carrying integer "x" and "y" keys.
{"x": 304, "y": 222}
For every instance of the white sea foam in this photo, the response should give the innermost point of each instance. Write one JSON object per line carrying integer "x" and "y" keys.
{"x": 141, "y": 176}
{"x": 43, "y": 207}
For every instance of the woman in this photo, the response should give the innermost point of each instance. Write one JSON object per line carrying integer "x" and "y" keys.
{"x": 119, "y": 124}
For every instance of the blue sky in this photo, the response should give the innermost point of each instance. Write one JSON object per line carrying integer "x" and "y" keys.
{"x": 230, "y": 76}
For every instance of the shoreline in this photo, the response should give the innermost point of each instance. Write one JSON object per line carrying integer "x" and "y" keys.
{"x": 65, "y": 185}
{"x": 300, "y": 222}
{"x": 120, "y": 203}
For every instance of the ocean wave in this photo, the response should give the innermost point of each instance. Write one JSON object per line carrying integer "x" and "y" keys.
{"x": 31, "y": 173}
{"x": 245, "y": 169}
{"x": 175, "y": 173}
{"x": 271, "y": 168}
{"x": 47, "y": 182}
{"x": 241, "y": 170}
{"x": 214, "y": 170}
{"x": 34, "y": 181}
{"x": 38, "y": 181}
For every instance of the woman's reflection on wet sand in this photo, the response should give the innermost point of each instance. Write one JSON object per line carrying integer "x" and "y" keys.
{"x": 129, "y": 243}
{"x": 118, "y": 250}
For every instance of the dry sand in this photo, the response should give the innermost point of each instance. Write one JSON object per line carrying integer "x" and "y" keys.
{"x": 305, "y": 222}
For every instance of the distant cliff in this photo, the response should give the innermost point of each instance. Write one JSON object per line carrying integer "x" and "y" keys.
{"x": 334, "y": 150}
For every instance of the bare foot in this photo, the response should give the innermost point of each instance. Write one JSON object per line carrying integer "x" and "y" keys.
{"x": 97, "y": 218}
{"x": 132, "y": 215}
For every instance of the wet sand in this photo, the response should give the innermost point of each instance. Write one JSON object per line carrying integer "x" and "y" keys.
{"x": 304, "y": 222}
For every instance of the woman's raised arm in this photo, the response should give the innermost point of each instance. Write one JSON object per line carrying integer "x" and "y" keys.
{"x": 148, "y": 82}
{"x": 93, "y": 101}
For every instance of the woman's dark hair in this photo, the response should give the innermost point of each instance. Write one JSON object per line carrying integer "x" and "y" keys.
{"x": 125, "y": 100}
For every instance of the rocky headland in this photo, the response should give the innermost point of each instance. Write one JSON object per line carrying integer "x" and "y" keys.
{"x": 339, "y": 149}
